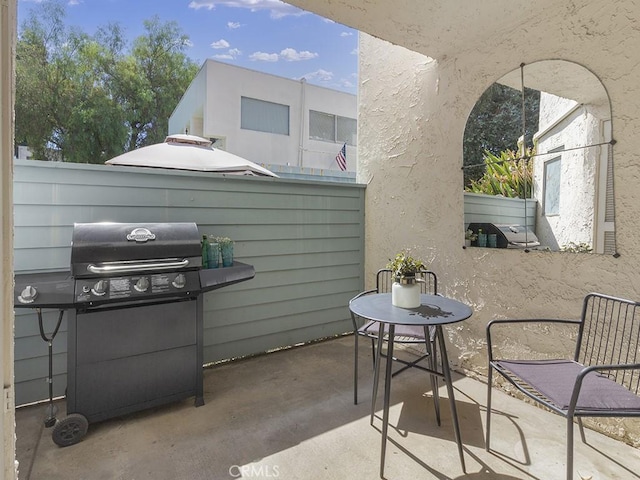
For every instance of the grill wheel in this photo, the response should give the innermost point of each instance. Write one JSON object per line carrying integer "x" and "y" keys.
{"x": 70, "y": 430}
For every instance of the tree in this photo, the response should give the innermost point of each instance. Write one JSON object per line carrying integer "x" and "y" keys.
{"x": 84, "y": 99}
{"x": 495, "y": 125}
{"x": 149, "y": 82}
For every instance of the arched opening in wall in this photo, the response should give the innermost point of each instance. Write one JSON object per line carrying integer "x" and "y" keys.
{"x": 538, "y": 161}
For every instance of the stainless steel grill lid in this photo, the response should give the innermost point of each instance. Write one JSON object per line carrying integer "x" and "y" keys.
{"x": 107, "y": 249}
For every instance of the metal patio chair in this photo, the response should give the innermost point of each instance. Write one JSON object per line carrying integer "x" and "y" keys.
{"x": 602, "y": 379}
{"x": 405, "y": 335}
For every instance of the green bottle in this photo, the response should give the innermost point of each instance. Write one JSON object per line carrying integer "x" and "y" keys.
{"x": 205, "y": 252}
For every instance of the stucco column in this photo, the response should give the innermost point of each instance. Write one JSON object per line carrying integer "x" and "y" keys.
{"x": 7, "y": 55}
{"x": 406, "y": 126}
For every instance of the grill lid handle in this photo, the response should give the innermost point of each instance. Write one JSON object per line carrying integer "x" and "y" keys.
{"x": 132, "y": 267}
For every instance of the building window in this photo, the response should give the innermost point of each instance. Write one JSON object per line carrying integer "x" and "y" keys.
{"x": 264, "y": 116}
{"x": 552, "y": 187}
{"x": 332, "y": 128}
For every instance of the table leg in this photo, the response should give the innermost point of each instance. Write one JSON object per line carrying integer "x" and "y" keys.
{"x": 387, "y": 394}
{"x": 376, "y": 371}
{"x": 452, "y": 401}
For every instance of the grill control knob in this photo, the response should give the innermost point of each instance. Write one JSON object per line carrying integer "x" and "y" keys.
{"x": 142, "y": 285}
{"x": 28, "y": 295}
{"x": 100, "y": 288}
{"x": 179, "y": 281}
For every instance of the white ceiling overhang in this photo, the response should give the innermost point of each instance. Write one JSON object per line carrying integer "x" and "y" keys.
{"x": 436, "y": 28}
{"x": 443, "y": 29}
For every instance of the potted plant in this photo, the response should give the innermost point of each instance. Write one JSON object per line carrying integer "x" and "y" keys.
{"x": 405, "y": 291}
{"x": 469, "y": 236}
{"x": 226, "y": 250}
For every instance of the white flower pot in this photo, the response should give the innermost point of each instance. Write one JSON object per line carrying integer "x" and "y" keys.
{"x": 405, "y": 295}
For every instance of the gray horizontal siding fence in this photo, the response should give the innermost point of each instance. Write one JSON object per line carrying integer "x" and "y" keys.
{"x": 480, "y": 208}
{"x": 305, "y": 240}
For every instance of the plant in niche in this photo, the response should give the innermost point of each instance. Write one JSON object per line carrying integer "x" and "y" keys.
{"x": 404, "y": 265}
{"x": 470, "y": 235}
{"x": 508, "y": 175}
{"x": 576, "y": 248}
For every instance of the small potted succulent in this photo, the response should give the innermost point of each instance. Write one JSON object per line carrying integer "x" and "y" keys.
{"x": 405, "y": 291}
{"x": 226, "y": 250}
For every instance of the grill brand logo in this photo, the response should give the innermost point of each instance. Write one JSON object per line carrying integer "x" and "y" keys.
{"x": 140, "y": 235}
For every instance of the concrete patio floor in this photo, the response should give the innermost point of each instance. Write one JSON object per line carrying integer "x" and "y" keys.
{"x": 290, "y": 415}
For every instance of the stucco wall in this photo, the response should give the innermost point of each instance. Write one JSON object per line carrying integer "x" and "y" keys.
{"x": 412, "y": 114}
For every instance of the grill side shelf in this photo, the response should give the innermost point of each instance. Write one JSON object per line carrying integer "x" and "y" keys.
{"x": 50, "y": 290}
{"x": 214, "y": 278}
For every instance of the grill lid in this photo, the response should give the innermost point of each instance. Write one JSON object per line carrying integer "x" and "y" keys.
{"x": 104, "y": 249}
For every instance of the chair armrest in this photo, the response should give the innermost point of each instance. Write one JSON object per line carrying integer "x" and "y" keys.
{"x": 521, "y": 321}
{"x": 354, "y": 320}
{"x": 366, "y": 292}
{"x": 597, "y": 368}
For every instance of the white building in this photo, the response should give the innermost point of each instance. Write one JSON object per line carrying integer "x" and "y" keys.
{"x": 283, "y": 124}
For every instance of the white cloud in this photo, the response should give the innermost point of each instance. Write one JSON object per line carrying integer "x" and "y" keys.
{"x": 222, "y": 43}
{"x": 264, "y": 57}
{"x": 276, "y": 8}
{"x": 291, "y": 55}
{"x": 319, "y": 75}
{"x": 232, "y": 54}
{"x": 73, "y": 2}
{"x": 288, "y": 54}
{"x": 233, "y": 25}
{"x": 346, "y": 34}
{"x": 354, "y": 51}
{"x": 347, "y": 83}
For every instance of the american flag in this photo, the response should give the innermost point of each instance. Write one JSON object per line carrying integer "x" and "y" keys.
{"x": 341, "y": 158}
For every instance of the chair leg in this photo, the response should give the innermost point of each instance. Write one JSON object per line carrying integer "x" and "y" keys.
{"x": 489, "y": 384}
{"x": 582, "y": 435}
{"x": 355, "y": 370}
{"x": 373, "y": 353}
{"x": 570, "y": 447}
{"x": 376, "y": 375}
{"x": 436, "y": 394}
{"x": 433, "y": 364}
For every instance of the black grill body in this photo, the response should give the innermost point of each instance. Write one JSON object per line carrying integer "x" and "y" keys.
{"x": 135, "y": 315}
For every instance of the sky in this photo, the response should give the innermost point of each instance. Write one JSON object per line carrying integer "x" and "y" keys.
{"x": 265, "y": 35}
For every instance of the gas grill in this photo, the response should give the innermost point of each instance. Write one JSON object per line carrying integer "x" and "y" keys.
{"x": 134, "y": 303}
{"x": 508, "y": 235}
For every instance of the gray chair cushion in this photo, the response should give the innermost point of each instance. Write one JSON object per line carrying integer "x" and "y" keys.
{"x": 555, "y": 379}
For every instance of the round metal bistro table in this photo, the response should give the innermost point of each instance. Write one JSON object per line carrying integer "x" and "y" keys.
{"x": 434, "y": 311}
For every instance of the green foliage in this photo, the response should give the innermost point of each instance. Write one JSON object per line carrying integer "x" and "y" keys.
{"x": 506, "y": 175}
{"x": 222, "y": 241}
{"x": 576, "y": 248}
{"x": 495, "y": 125}
{"x": 83, "y": 99}
{"x": 404, "y": 265}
